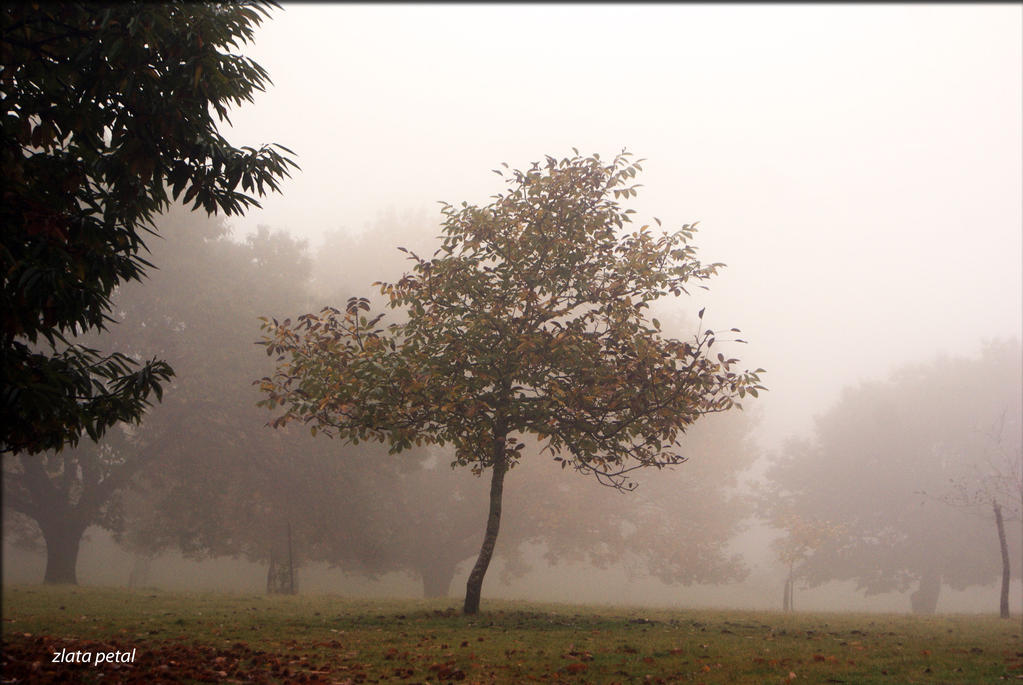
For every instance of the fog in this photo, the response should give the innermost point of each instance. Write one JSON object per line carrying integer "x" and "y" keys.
{"x": 858, "y": 169}
{"x": 102, "y": 562}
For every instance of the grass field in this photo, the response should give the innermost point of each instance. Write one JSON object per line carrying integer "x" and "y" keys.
{"x": 180, "y": 637}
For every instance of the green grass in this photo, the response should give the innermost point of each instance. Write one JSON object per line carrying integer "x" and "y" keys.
{"x": 208, "y": 637}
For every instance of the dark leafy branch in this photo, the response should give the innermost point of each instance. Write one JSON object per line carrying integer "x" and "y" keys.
{"x": 109, "y": 111}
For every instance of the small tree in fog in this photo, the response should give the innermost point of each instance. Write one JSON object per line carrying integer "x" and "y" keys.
{"x": 997, "y": 482}
{"x": 529, "y": 319}
{"x": 802, "y": 538}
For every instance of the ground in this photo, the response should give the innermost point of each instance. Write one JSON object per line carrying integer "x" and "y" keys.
{"x": 178, "y": 637}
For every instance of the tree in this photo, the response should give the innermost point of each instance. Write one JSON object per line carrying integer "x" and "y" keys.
{"x": 874, "y": 457}
{"x": 108, "y": 111}
{"x": 675, "y": 527}
{"x": 217, "y": 487}
{"x": 64, "y": 493}
{"x": 378, "y": 513}
{"x": 201, "y": 442}
{"x": 802, "y": 539}
{"x": 996, "y": 481}
{"x": 529, "y": 320}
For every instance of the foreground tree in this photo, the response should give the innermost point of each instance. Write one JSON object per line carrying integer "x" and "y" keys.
{"x": 676, "y": 527}
{"x": 529, "y": 320}
{"x": 107, "y": 107}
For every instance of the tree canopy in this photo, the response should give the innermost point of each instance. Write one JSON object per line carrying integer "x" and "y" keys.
{"x": 109, "y": 110}
{"x": 528, "y": 320}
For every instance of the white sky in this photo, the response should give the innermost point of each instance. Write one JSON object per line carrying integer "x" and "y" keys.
{"x": 857, "y": 167}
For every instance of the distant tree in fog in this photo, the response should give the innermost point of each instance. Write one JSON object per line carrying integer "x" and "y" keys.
{"x": 529, "y": 320}
{"x": 198, "y": 311}
{"x": 803, "y": 537}
{"x": 219, "y": 488}
{"x": 875, "y": 454}
{"x": 675, "y": 527}
{"x": 348, "y": 261}
{"x": 109, "y": 110}
{"x": 414, "y": 515}
{"x": 996, "y": 482}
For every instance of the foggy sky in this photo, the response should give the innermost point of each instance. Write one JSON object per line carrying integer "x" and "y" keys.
{"x": 857, "y": 167}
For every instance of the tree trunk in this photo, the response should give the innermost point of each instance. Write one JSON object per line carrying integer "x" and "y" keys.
{"x": 271, "y": 575}
{"x": 1003, "y": 604}
{"x": 280, "y": 575}
{"x": 62, "y": 542}
{"x": 474, "y": 586}
{"x": 139, "y": 574}
{"x": 786, "y": 602}
{"x": 925, "y": 599}
{"x": 437, "y": 578}
{"x": 292, "y": 589}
